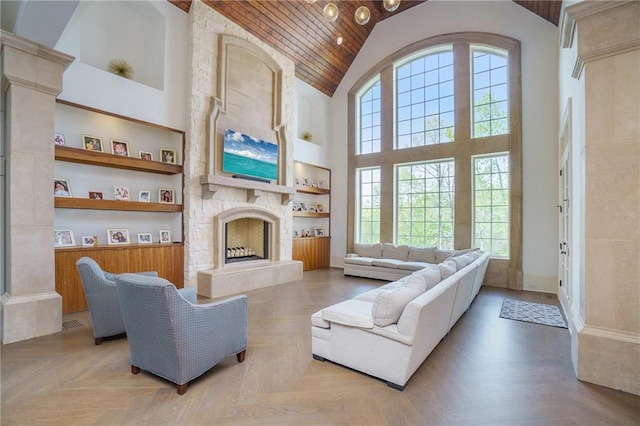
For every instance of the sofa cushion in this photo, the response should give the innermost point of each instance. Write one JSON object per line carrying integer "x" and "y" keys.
{"x": 422, "y": 254}
{"x": 318, "y": 321}
{"x": 368, "y": 250}
{"x": 465, "y": 251}
{"x": 387, "y": 263}
{"x": 461, "y": 261}
{"x": 356, "y": 313}
{"x": 389, "y": 304}
{"x": 416, "y": 282}
{"x": 391, "y": 251}
{"x": 442, "y": 255}
{"x": 370, "y": 296}
{"x": 447, "y": 268}
{"x": 431, "y": 275}
{"x": 413, "y": 266}
{"x": 359, "y": 260}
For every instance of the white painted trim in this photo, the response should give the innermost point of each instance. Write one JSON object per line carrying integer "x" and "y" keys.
{"x": 541, "y": 283}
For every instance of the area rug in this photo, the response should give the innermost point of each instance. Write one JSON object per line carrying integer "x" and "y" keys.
{"x": 537, "y": 313}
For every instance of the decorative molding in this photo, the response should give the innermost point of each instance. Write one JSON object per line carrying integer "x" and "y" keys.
{"x": 606, "y": 333}
{"x": 583, "y": 9}
{"x": 606, "y": 52}
{"x": 39, "y": 50}
{"x": 212, "y": 184}
{"x": 578, "y": 68}
{"x": 567, "y": 30}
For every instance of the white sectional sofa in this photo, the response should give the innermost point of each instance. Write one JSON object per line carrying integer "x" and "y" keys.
{"x": 389, "y": 331}
{"x": 390, "y": 262}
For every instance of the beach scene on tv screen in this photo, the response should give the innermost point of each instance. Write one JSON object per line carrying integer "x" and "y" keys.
{"x": 249, "y": 156}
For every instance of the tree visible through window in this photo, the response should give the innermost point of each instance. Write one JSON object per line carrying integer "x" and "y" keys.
{"x": 369, "y": 205}
{"x": 370, "y": 120}
{"x": 491, "y": 204}
{"x": 490, "y": 107}
{"x": 425, "y": 204}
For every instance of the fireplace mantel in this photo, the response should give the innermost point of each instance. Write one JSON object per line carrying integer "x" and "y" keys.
{"x": 211, "y": 183}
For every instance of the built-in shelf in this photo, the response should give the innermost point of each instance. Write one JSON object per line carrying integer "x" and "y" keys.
{"x": 311, "y": 214}
{"x": 75, "y": 155}
{"x": 132, "y": 206}
{"x": 312, "y": 190}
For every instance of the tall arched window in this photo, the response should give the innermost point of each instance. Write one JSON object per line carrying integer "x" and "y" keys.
{"x": 437, "y": 148}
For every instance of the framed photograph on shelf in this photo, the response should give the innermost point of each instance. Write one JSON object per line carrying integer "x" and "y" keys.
{"x": 119, "y": 147}
{"x": 295, "y": 206}
{"x": 322, "y": 184}
{"x": 144, "y": 155}
{"x": 94, "y": 195}
{"x": 318, "y": 232}
{"x": 89, "y": 241}
{"x": 144, "y": 238}
{"x": 319, "y": 208}
{"x": 295, "y": 234}
{"x": 303, "y": 207}
{"x": 166, "y": 196}
{"x": 165, "y": 236}
{"x": 92, "y": 143}
{"x": 314, "y": 184}
{"x": 144, "y": 196}
{"x": 312, "y": 209}
{"x": 121, "y": 193}
{"x": 63, "y": 238}
{"x": 168, "y": 155}
{"x": 61, "y": 187}
{"x": 118, "y": 236}
{"x": 58, "y": 139}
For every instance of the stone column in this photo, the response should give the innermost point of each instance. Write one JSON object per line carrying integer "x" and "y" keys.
{"x": 31, "y": 80}
{"x": 608, "y": 343}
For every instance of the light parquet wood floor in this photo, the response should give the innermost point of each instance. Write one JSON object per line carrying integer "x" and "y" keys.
{"x": 488, "y": 370}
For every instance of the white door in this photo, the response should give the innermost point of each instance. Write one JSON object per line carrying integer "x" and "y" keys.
{"x": 565, "y": 225}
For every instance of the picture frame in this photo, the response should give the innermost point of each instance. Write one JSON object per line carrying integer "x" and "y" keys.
{"x": 322, "y": 184}
{"x": 95, "y": 195}
{"x": 166, "y": 196}
{"x": 295, "y": 234}
{"x": 61, "y": 187}
{"x": 121, "y": 193}
{"x": 303, "y": 207}
{"x": 145, "y": 238}
{"x": 92, "y": 143}
{"x": 319, "y": 208}
{"x": 168, "y": 155}
{"x": 318, "y": 232}
{"x": 312, "y": 209}
{"x": 89, "y": 241}
{"x": 144, "y": 196}
{"x": 145, "y": 155}
{"x": 306, "y": 182}
{"x": 314, "y": 184}
{"x": 120, "y": 147}
{"x": 58, "y": 139}
{"x": 63, "y": 238}
{"x": 118, "y": 236}
{"x": 297, "y": 181}
{"x": 165, "y": 236}
{"x": 295, "y": 206}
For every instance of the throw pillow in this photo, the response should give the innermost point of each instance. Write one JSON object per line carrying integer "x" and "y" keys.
{"x": 368, "y": 250}
{"x": 416, "y": 282}
{"x": 389, "y": 304}
{"x": 460, "y": 261}
{"x": 422, "y": 254}
{"x": 431, "y": 276}
{"x": 447, "y": 268}
{"x": 390, "y": 251}
{"x": 463, "y": 252}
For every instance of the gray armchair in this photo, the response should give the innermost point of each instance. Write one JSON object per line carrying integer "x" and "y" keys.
{"x": 102, "y": 297}
{"x": 174, "y": 338}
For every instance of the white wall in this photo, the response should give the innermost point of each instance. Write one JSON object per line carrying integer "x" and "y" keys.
{"x": 94, "y": 86}
{"x": 312, "y": 114}
{"x": 539, "y": 114}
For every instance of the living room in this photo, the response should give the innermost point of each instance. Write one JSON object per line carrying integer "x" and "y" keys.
{"x": 190, "y": 68}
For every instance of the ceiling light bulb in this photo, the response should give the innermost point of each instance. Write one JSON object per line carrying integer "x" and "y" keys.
{"x": 330, "y": 11}
{"x": 339, "y": 40}
{"x": 391, "y": 5}
{"x": 362, "y": 15}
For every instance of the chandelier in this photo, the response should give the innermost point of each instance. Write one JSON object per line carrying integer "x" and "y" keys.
{"x": 362, "y": 15}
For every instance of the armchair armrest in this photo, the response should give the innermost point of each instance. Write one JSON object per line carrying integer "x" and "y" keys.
{"x": 190, "y": 294}
{"x": 112, "y": 277}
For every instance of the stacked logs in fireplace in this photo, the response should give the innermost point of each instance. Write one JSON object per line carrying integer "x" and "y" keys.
{"x": 240, "y": 252}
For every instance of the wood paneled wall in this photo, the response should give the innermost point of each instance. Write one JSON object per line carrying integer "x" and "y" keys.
{"x": 166, "y": 259}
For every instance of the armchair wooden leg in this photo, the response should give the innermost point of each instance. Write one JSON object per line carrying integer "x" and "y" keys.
{"x": 135, "y": 370}
{"x": 98, "y": 340}
{"x": 182, "y": 388}
{"x": 241, "y": 355}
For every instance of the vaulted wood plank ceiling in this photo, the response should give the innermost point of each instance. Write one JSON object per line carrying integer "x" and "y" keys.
{"x": 298, "y": 30}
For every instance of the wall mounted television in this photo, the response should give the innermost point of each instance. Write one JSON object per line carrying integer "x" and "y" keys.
{"x": 249, "y": 157}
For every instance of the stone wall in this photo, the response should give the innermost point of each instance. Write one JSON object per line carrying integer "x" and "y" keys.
{"x": 249, "y": 102}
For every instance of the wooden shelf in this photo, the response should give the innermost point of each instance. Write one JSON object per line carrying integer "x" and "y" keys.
{"x": 133, "y": 206}
{"x": 75, "y": 155}
{"x": 116, "y": 246}
{"x": 311, "y": 214}
{"x": 312, "y": 190}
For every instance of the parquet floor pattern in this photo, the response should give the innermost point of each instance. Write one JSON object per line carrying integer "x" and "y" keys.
{"x": 488, "y": 370}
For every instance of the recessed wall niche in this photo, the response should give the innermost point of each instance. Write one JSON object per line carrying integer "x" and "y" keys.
{"x": 134, "y": 31}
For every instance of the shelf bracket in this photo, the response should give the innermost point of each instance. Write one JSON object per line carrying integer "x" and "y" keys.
{"x": 208, "y": 187}
{"x": 253, "y": 195}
